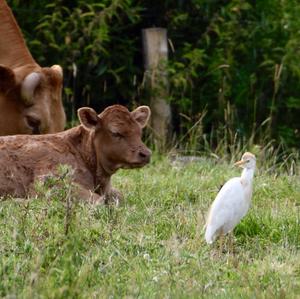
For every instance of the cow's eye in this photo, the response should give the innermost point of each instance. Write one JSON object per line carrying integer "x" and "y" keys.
{"x": 117, "y": 135}
{"x": 34, "y": 124}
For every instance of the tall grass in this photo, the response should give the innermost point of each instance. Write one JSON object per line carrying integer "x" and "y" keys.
{"x": 228, "y": 143}
{"x": 153, "y": 245}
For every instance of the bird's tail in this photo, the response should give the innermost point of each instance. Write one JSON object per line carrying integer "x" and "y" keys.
{"x": 209, "y": 234}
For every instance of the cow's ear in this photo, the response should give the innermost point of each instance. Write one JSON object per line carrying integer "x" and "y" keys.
{"x": 141, "y": 115}
{"x": 54, "y": 75}
{"x": 58, "y": 70}
{"x": 88, "y": 117}
{"x": 7, "y": 79}
{"x": 28, "y": 87}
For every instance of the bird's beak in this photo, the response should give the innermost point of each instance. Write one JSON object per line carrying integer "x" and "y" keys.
{"x": 240, "y": 163}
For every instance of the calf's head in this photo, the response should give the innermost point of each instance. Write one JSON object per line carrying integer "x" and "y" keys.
{"x": 30, "y": 100}
{"x": 117, "y": 136}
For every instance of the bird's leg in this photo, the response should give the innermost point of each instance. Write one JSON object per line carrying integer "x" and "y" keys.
{"x": 230, "y": 247}
{"x": 221, "y": 243}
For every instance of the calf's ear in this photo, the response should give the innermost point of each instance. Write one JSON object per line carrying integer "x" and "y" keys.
{"x": 7, "y": 79}
{"x": 88, "y": 117}
{"x": 141, "y": 115}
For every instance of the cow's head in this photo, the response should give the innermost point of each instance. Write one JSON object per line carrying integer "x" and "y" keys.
{"x": 117, "y": 136}
{"x": 30, "y": 100}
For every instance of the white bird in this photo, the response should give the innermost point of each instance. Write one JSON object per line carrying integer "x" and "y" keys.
{"x": 232, "y": 201}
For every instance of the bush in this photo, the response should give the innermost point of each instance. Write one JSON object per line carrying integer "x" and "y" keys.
{"x": 237, "y": 60}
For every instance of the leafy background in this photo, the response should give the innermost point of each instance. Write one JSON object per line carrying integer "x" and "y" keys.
{"x": 236, "y": 61}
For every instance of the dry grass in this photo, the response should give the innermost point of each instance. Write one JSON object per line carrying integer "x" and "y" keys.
{"x": 153, "y": 245}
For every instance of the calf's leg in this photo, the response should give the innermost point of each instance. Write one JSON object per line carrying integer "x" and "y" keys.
{"x": 114, "y": 197}
{"x": 89, "y": 196}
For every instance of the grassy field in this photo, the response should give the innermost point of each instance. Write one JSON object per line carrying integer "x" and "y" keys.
{"x": 153, "y": 245}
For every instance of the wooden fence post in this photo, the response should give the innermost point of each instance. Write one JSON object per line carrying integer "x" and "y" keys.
{"x": 155, "y": 46}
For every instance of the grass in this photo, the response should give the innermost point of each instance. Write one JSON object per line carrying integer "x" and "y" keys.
{"x": 153, "y": 245}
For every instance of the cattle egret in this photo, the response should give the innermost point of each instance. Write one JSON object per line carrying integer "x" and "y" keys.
{"x": 232, "y": 201}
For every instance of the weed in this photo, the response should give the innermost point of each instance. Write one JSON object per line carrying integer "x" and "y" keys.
{"x": 153, "y": 245}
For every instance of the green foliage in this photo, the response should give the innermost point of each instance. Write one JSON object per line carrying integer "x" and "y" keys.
{"x": 153, "y": 246}
{"x": 249, "y": 59}
{"x": 238, "y": 54}
{"x": 87, "y": 39}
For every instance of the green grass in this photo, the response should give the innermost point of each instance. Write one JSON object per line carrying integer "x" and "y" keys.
{"x": 153, "y": 245}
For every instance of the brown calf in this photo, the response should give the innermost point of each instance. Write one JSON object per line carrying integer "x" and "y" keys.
{"x": 30, "y": 95}
{"x": 95, "y": 150}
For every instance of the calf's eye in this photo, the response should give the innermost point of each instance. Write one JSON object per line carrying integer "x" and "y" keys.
{"x": 117, "y": 135}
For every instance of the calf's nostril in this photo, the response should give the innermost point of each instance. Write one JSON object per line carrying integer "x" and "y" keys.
{"x": 143, "y": 155}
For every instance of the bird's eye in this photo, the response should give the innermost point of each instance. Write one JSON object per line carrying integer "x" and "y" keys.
{"x": 247, "y": 161}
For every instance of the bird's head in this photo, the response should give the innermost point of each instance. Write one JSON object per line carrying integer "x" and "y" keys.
{"x": 248, "y": 161}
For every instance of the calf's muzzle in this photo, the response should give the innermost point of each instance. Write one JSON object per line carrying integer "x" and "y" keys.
{"x": 145, "y": 155}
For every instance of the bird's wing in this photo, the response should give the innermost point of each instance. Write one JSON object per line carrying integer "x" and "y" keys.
{"x": 228, "y": 194}
{"x": 227, "y": 202}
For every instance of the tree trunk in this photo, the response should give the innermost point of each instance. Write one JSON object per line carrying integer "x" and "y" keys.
{"x": 155, "y": 59}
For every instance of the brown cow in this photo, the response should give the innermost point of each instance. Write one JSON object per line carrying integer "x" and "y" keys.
{"x": 30, "y": 96}
{"x": 95, "y": 150}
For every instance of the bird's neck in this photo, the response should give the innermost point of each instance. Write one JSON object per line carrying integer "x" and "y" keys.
{"x": 247, "y": 175}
